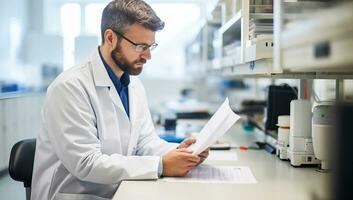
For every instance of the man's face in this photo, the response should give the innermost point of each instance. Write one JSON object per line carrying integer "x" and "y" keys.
{"x": 125, "y": 54}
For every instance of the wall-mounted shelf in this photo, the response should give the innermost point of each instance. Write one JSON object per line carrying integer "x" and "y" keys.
{"x": 319, "y": 42}
{"x": 261, "y": 71}
{"x": 261, "y": 50}
{"x": 309, "y": 46}
{"x": 261, "y": 15}
{"x": 246, "y": 40}
{"x": 232, "y": 27}
{"x": 260, "y": 67}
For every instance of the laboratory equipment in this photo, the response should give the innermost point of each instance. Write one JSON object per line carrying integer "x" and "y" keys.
{"x": 170, "y": 123}
{"x": 168, "y": 132}
{"x": 323, "y": 130}
{"x": 283, "y": 136}
{"x": 300, "y": 140}
{"x": 278, "y": 103}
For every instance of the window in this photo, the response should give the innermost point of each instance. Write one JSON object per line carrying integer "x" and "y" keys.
{"x": 168, "y": 60}
{"x": 93, "y": 15}
{"x": 179, "y": 18}
{"x": 70, "y": 18}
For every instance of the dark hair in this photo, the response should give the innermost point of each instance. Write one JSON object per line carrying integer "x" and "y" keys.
{"x": 119, "y": 14}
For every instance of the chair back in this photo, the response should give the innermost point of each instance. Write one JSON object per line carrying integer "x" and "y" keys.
{"x": 21, "y": 162}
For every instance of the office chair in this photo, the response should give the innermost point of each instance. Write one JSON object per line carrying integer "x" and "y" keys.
{"x": 21, "y": 163}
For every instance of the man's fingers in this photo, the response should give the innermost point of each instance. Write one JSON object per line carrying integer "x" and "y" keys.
{"x": 184, "y": 150}
{"x": 193, "y": 159}
{"x": 190, "y": 167}
{"x": 204, "y": 153}
{"x": 188, "y": 156}
{"x": 190, "y": 140}
{"x": 187, "y": 142}
{"x": 202, "y": 156}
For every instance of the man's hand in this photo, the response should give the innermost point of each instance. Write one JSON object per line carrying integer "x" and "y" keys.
{"x": 203, "y": 155}
{"x": 186, "y": 143}
{"x": 189, "y": 141}
{"x": 179, "y": 162}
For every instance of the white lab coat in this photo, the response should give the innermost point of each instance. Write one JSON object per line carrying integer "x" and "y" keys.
{"x": 87, "y": 144}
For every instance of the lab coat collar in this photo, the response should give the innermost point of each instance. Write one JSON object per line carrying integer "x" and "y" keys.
{"x": 100, "y": 74}
{"x": 102, "y": 79}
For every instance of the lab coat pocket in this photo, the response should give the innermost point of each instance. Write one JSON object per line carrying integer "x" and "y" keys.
{"x": 67, "y": 196}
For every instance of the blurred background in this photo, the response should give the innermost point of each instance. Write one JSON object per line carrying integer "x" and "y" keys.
{"x": 257, "y": 53}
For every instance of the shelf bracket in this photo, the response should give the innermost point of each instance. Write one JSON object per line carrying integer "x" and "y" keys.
{"x": 305, "y": 87}
{"x": 339, "y": 90}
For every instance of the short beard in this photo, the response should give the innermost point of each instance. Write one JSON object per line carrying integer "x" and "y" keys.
{"x": 121, "y": 61}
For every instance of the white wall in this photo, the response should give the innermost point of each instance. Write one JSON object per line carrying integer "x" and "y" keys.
{"x": 13, "y": 26}
{"x": 160, "y": 91}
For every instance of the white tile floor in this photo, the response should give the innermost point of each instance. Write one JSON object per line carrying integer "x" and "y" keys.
{"x": 10, "y": 189}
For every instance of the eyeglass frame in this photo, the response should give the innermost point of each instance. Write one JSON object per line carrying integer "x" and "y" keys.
{"x": 142, "y": 46}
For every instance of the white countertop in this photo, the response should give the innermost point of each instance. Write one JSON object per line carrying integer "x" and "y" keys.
{"x": 276, "y": 179}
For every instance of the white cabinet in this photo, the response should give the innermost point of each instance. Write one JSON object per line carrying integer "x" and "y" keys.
{"x": 2, "y": 137}
{"x": 11, "y": 125}
{"x": 19, "y": 119}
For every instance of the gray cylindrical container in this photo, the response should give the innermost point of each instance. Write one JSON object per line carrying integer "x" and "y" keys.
{"x": 323, "y": 132}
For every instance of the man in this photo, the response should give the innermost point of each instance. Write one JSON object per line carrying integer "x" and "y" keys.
{"x": 96, "y": 126}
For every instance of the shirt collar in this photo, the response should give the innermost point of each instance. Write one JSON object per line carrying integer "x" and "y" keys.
{"x": 118, "y": 83}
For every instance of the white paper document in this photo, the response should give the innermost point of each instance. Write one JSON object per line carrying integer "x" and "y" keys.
{"x": 219, "y": 174}
{"x": 222, "y": 155}
{"x": 217, "y": 126}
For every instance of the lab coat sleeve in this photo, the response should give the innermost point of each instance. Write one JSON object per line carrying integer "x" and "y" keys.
{"x": 71, "y": 126}
{"x": 149, "y": 143}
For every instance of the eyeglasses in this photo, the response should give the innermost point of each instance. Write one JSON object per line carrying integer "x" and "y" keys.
{"x": 138, "y": 47}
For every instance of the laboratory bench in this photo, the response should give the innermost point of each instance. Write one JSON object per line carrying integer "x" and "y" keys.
{"x": 276, "y": 179}
{"x": 20, "y": 94}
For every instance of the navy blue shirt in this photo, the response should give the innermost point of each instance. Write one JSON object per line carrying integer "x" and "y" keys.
{"x": 120, "y": 85}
